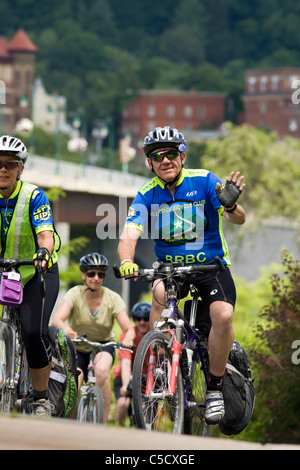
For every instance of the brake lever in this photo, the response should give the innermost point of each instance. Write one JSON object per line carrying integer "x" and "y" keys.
{"x": 42, "y": 287}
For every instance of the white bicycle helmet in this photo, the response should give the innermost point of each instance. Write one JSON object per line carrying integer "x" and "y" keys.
{"x": 13, "y": 146}
{"x": 164, "y": 137}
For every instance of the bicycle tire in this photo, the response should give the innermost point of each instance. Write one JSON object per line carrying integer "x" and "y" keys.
{"x": 156, "y": 410}
{"x": 194, "y": 420}
{"x": 6, "y": 359}
{"x": 91, "y": 406}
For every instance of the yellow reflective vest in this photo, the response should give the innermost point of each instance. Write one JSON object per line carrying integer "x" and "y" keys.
{"x": 20, "y": 241}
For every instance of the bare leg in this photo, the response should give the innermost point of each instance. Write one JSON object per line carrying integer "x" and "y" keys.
{"x": 158, "y": 299}
{"x": 221, "y": 336}
{"x": 122, "y": 410}
{"x": 103, "y": 363}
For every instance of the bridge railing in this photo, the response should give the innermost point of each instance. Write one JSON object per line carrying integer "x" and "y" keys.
{"x": 49, "y": 166}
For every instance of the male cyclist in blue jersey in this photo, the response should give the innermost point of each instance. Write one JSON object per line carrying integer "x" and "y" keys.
{"x": 182, "y": 210}
{"x": 27, "y": 232}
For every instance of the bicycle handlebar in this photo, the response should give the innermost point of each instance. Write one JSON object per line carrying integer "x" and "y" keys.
{"x": 160, "y": 269}
{"x": 116, "y": 344}
{"x": 9, "y": 263}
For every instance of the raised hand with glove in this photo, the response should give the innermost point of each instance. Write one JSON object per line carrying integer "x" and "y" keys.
{"x": 229, "y": 193}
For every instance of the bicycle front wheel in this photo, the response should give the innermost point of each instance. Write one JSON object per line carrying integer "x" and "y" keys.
{"x": 155, "y": 408}
{"x": 194, "y": 420}
{"x": 5, "y": 368}
{"x": 91, "y": 406}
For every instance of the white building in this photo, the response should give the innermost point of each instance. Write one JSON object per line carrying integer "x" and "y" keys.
{"x": 49, "y": 111}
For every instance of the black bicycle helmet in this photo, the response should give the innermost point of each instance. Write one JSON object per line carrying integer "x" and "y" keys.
{"x": 13, "y": 146}
{"x": 164, "y": 137}
{"x": 92, "y": 261}
{"x": 141, "y": 310}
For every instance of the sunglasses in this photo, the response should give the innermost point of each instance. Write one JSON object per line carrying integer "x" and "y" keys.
{"x": 161, "y": 154}
{"x": 10, "y": 164}
{"x": 94, "y": 273}
{"x": 140, "y": 319}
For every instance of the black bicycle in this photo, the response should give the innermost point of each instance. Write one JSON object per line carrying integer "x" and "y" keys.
{"x": 171, "y": 367}
{"x": 15, "y": 383}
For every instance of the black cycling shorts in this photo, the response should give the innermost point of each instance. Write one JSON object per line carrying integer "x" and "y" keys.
{"x": 35, "y": 315}
{"x": 212, "y": 287}
{"x": 83, "y": 358}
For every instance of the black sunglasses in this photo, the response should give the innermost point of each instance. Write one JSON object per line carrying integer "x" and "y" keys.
{"x": 140, "y": 319}
{"x": 10, "y": 164}
{"x": 93, "y": 274}
{"x": 161, "y": 154}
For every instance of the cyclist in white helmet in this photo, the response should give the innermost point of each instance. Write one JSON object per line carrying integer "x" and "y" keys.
{"x": 183, "y": 211}
{"x": 27, "y": 231}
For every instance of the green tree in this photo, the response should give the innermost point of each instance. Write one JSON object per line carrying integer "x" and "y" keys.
{"x": 271, "y": 167}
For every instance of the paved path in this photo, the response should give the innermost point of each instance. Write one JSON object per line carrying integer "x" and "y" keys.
{"x": 56, "y": 434}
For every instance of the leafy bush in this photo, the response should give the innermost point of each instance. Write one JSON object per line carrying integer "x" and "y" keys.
{"x": 278, "y": 399}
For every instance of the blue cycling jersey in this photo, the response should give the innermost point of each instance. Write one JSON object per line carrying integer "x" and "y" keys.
{"x": 186, "y": 227}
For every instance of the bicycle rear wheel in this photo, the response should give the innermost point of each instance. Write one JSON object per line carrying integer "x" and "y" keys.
{"x": 155, "y": 409}
{"x": 194, "y": 420}
{"x": 91, "y": 406}
{"x": 5, "y": 368}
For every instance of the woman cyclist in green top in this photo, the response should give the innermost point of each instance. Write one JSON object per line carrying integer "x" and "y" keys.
{"x": 91, "y": 309}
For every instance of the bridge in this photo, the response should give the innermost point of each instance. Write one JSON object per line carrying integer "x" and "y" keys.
{"x": 95, "y": 205}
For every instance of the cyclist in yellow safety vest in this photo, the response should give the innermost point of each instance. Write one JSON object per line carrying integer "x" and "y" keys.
{"x": 27, "y": 232}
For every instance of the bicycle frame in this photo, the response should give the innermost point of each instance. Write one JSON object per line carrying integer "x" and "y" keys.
{"x": 177, "y": 332}
{"x": 172, "y": 312}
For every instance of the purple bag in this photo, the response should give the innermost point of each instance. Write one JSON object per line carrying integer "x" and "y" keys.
{"x": 11, "y": 289}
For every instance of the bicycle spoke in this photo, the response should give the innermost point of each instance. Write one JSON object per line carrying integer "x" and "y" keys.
{"x": 194, "y": 422}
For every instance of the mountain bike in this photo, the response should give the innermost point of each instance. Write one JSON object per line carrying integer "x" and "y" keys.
{"x": 171, "y": 367}
{"x": 91, "y": 404}
{"x": 15, "y": 384}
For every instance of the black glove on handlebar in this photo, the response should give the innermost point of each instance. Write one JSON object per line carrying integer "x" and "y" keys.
{"x": 228, "y": 194}
{"x": 43, "y": 254}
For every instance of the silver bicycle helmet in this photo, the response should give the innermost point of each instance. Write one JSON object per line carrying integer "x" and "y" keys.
{"x": 13, "y": 146}
{"x": 164, "y": 137}
{"x": 141, "y": 310}
{"x": 92, "y": 261}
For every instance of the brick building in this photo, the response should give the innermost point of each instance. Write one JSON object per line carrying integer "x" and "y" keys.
{"x": 268, "y": 100}
{"x": 17, "y": 70}
{"x": 187, "y": 111}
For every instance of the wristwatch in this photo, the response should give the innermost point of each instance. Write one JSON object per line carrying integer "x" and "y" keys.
{"x": 230, "y": 211}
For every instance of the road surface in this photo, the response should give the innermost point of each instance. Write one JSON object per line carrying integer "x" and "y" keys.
{"x": 30, "y": 433}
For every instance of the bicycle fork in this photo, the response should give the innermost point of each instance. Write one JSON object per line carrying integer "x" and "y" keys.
{"x": 173, "y": 373}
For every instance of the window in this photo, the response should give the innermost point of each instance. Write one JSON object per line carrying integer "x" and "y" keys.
{"x": 263, "y": 84}
{"x": 188, "y": 111}
{"x": 202, "y": 112}
{"x": 262, "y": 108}
{"x": 151, "y": 110}
{"x": 17, "y": 78}
{"x": 171, "y": 111}
{"x": 252, "y": 83}
{"x": 293, "y": 125}
{"x": 274, "y": 82}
